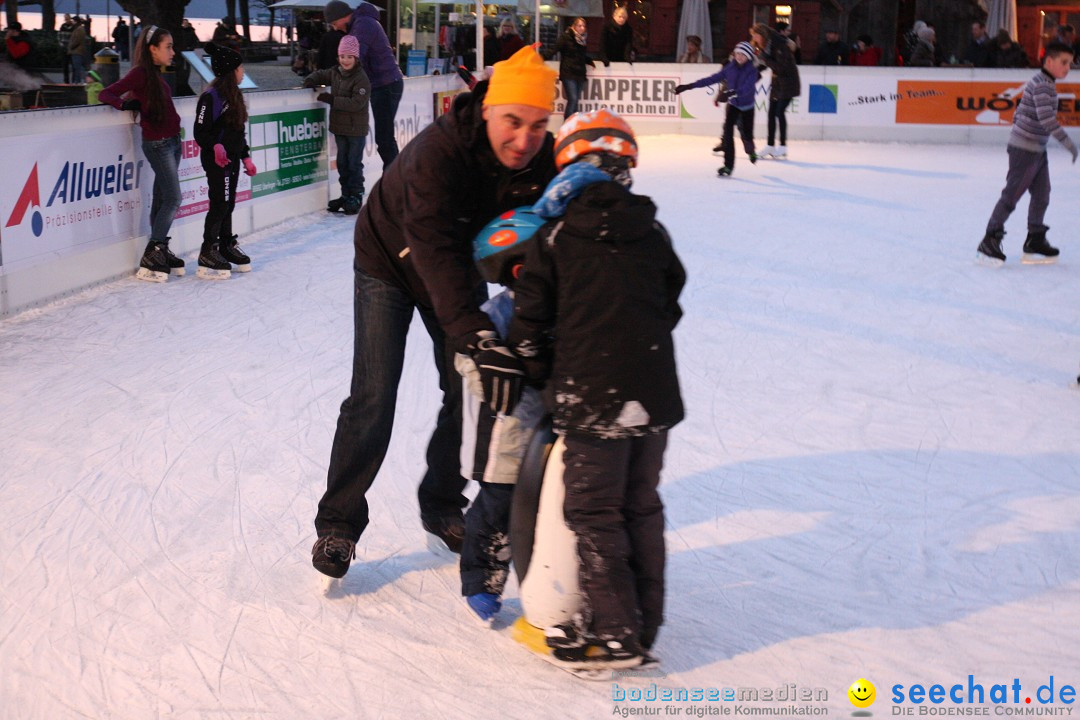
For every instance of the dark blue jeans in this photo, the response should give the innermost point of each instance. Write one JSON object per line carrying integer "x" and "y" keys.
{"x": 164, "y": 159}
{"x": 572, "y": 88}
{"x": 382, "y": 314}
{"x": 350, "y": 164}
{"x": 384, "y": 105}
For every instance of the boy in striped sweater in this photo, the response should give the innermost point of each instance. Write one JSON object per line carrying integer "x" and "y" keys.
{"x": 1034, "y": 121}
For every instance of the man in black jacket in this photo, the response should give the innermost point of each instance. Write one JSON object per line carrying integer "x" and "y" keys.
{"x": 413, "y": 240}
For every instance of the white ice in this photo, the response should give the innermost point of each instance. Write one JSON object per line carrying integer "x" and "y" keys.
{"x": 878, "y": 476}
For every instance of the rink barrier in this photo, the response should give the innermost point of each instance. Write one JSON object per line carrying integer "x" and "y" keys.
{"x": 75, "y": 188}
{"x": 878, "y": 104}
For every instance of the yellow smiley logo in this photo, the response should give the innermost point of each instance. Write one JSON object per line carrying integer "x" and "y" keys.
{"x": 862, "y": 693}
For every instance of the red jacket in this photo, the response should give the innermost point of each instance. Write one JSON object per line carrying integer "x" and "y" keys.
{"x": 17, "y": 48}
{"x": 870, "y": 57}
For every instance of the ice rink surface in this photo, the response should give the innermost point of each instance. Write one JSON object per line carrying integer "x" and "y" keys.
{"x": 878, "y": 476}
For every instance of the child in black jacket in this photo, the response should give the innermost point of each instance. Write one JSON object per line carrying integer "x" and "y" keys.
{"x": 603, "y": 281}
{"x": 220, "y": 120}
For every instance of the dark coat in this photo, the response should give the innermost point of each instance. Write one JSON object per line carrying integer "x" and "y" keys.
{"x": 352, "y": 92}
{"x": 326, "y": 56}
{"x": 210, "y": 129}
{"x": 832, "y": 53}
{"x": 922, "y": 55}
{"x": 376, "y": 56}
{"x": 603, "y": 281}
{"x": 777, "y": 55}
{"x": 1012, "y": 56}
{"x": 573, "y": 57}
{"x": 617, "y": 43}
{"x": 417, "y": 227}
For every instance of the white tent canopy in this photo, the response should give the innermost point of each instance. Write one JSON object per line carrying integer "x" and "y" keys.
{"x": 1001, "y": 14}
{"x": 571, "y": 8}
{"x": 695, "y": 21}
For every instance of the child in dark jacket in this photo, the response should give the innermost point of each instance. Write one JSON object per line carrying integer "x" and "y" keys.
{"x": 739, "y": 83}
{"x": 594, "y": 311}
{"x": 220, "y": 121}
{"x": 492, "y": 448}
{"x": 348, "y": 101}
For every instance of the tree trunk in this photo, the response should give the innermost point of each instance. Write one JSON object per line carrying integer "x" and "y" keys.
{"x": 12, "y": 13}
{"x": 245, "y": 20}
{"x": 48, "y": 15}
{"x": 164, "y": 13}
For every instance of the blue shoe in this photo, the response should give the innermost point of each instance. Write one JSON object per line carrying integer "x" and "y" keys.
{"x": 485, "y": 606}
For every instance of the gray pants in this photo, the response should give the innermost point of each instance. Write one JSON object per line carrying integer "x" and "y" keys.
{"x": 1028, "y": 172}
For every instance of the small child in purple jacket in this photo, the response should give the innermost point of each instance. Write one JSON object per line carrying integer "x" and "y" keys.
{"x": 740, "y": 76}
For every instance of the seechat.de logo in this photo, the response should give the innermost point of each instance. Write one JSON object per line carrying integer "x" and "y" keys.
{"x": 30, "y": 197}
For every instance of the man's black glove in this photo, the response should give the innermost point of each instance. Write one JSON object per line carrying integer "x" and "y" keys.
{"x": 133, "y": 105}
{"x": 325, "y": 97}
{"x": 681, "y": 88}
{"x": 501, "y": 373}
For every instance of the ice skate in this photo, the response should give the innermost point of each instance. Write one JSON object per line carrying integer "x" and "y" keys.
{"x": 989, "y": 252}
{"x": 483, "y": 607}
{"x": 176, "y": 265}
{"x": 154, "y": 266}
{"x": 211, "y": 265}
{"x": 332, "y": 554}
{"x": 232, "y": 254}
{"x": 725, "y": 171}
{"x": 1037, "y": 251}
{"x": 445, "y": 532}
{"x": 336, "y": 205}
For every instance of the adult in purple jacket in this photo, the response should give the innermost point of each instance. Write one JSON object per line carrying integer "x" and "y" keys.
{"x": 378, "y": 62}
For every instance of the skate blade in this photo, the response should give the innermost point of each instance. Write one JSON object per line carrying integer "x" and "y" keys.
{"x": 1032, "y": 259}
{"x": 178, "y": 272}
{"x": 987, "y": 261}
{"x": 246, "y": 267}
{"x": 151, "y": 275}
{"x": 211, "y": 274}
{"x": 535, "y": 641}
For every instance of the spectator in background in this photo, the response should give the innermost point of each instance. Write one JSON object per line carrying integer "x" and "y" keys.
{"x": 63, "y": 36}
{"x": 190, "y": 37}
{"x": 327, "y": 56}
{"x": 923, "y": 54}
{"x": 784, "y": 29}
{"x": 121, "y": 39}
{"x": 832, "y": 51}
{"x": 980, "y": 51}
{"x": 225, "y": 33}
{"x": 491, "y": 46}
{"x": 77, "y": 47}
{"x": 509, "y": 39}
{"x": 617, "y": 43}
{"x": 18, "y": 45}
{"x": 865, "y": 53}
{"x": 573, "y": 57}
{"x": 693, "y": 53}
{"x": 380, "y": 64}
{"x": 1008, "y": 54}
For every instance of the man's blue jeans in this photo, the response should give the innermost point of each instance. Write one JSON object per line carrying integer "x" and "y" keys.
{"x": 384, "y": 105}
{"x": 164, "y": 159}
{"x": 382, "y": 315}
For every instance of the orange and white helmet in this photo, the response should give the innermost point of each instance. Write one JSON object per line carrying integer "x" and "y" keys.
{"x": 591, "y": 132}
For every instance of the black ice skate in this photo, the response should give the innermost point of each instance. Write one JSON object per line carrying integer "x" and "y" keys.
{"x": 990, "y": 249}
{"x": 1037, "y": 251}
{"x": 718, "y": 149}
{"x": 211, "y": 265}
{"x": 337, "y": 205}
{"x": 332, "y": 555}
{"x": 450, "y": 529}
{"x": 176, "y": 265}
{"x": 725, "y": 171}
{"x": 599, "y": 654}
{"x": 353, "y": 203}
{"x": 154, "y": 266}
{"x": 232, "y": 253}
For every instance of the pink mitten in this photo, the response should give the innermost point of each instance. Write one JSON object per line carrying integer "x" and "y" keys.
{"x": 221, "y": 158}
{"x": 249, "y": 167}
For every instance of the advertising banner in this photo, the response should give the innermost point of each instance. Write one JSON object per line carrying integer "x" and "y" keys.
{"x": 288, "y": 149}
{"x": 71, "y": 192}
{"x": 974, "y": 102}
